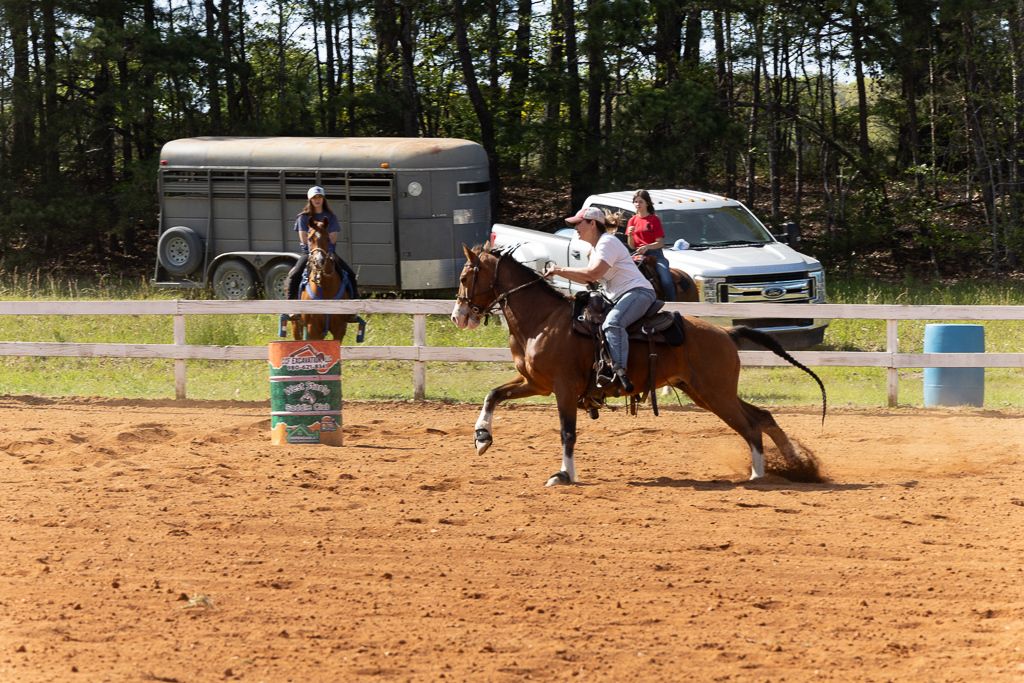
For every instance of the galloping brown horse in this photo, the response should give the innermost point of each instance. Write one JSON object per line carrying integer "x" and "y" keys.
{"x": 324, "y": 282}
{"x": 551, "y": 358}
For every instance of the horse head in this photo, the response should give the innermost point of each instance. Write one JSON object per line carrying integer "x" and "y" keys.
{"x": 320, "y": 262}
{"x": 477, "y": 292}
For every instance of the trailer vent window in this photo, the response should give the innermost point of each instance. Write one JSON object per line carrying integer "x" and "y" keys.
{"x": 475, "y": 187}
{"x": 265, "y": 184}
{"x": 462, "y": 216}
{"x": 185, "y": 183}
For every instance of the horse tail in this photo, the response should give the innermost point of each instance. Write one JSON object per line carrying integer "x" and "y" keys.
{"x": 770, "y": 343}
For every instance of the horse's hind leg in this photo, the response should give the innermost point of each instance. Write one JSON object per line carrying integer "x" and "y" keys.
{"x": 740, "y": 417}
{"x": 517, "y": 388}
{"x": 765, "y": 421}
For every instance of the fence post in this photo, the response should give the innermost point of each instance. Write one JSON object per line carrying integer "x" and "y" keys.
{"x": 891, "y": 345}
{"x": 419, "y": 368}
{"x": 179, "y": 363}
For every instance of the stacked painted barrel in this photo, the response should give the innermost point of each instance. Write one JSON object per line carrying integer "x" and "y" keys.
{"x": 305, "y": 392}
{"x": 954, "y": 386}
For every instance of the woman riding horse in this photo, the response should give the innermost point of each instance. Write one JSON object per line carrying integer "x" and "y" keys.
{"x": 323, "y": 282}
{"x": 551, "y": 358}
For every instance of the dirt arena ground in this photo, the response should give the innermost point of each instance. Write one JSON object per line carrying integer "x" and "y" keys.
{"x": 162, "y": 541}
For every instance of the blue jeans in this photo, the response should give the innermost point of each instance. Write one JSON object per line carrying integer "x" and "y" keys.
{"x": 629, "y": 308}
{"x": 668, "y": 285}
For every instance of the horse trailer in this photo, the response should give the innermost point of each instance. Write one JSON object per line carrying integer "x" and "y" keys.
{"x": 406, "y": 206}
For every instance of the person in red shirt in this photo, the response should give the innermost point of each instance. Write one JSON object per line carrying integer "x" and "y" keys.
{"x": 647, "y": 238}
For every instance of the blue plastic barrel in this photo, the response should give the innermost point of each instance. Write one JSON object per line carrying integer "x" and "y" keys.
{"x": 954, "y": 386}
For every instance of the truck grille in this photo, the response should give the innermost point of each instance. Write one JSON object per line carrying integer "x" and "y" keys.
{"x": 789, "y": 291}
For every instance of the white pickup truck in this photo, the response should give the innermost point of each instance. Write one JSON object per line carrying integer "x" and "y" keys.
{"x": 730, "y": 255}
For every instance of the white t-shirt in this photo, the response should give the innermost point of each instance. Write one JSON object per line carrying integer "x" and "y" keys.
{"x": 622, "y": 274}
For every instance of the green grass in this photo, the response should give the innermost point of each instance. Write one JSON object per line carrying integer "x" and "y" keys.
{"x": 247, "y": 380}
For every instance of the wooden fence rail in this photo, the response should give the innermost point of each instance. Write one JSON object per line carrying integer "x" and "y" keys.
{"x": 419, "y": 353}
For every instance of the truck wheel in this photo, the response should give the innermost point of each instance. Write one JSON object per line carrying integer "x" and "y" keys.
{"x": 274, "y": 280}
{"x": 233, "y": 279}
{"x": 180, "y": 250}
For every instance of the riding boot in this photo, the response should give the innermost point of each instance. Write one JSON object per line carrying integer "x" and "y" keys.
{"x": 627, "y": 386}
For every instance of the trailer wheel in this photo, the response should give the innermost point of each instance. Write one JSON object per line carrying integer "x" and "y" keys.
{"x": 274, "y": 280}
{"x": 233, "y": 279}
{"x": 180, "y": 250}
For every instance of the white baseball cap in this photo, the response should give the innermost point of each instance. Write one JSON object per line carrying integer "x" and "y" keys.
{"x": 314, "y": 191}
{"x": 591, "y": 213}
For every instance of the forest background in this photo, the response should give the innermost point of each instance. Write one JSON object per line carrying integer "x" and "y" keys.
{"x": 890, "y": 131}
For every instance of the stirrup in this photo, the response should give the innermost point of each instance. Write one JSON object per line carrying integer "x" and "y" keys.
{"x": 627, "y": 385}
{"x": 604, "y": 377}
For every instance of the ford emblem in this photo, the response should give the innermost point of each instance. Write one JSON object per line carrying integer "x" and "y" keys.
{"x": 773, "y": 292}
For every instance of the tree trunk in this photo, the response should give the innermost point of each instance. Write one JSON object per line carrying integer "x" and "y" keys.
{"x": 22, "y": 108}
{"x": 50, "y": 137}
{"x": 314, "y": 12}
{"x": 577, "y": 190}
{"x": 350, "y": 69}
{"x": 330, "y": 17}
{"x": 553, "y": 90}
{"x": 124, "y": 87}
{"x": 694, "y": 36}
{"x": 213, "y": 68}
{"x": 146, "y": 139}
{"x": 597, "y": 77}
{"x": 667, "y": 41}
{"x": 1013, "y": 225}
{"x": 724, "y": 85}
{"x": 229, "y": 66}
{"x": 281, "y": 71}
{"x": 773, "y": 85}
{"x": 407, "y": 43}
{"x": 752, "y": 120}
{"x": 857, "y": 47}
{"x": 483, "y": 114}
{"x": 519, "y": 75}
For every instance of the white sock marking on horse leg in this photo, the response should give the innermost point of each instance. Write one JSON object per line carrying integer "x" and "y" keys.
{"x": 756, "y": 463}
{"x": 569, "y": 467}
{"x": 484, "y": 421}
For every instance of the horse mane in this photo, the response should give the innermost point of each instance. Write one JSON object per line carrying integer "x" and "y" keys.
{"x": 508, "y": 251}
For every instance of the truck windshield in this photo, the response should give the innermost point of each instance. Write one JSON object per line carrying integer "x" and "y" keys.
{"x": 724, "y": 226}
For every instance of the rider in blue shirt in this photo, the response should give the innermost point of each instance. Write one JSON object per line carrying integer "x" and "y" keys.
{"x": 318, "y": 208}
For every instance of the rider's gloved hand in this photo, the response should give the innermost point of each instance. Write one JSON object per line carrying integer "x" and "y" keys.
{"x": 331, "y": 246}
{"x": 304, "y": 248}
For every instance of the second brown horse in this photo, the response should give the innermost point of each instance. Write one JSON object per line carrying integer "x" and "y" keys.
{"x": 323, "y": 282}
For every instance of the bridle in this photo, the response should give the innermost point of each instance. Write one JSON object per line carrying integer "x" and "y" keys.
{"x": 318, "y": 256}
{"x": 500, "y": 298}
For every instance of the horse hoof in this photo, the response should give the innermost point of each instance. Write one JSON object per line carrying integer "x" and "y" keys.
{"x": 593, "y": 413}
{"x": 559, "y": 479}
{"x": 482, "y": 440}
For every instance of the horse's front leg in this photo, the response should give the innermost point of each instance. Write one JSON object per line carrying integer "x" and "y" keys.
{"x": 567, "y": 419}
{"x": 517, "y": 388}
